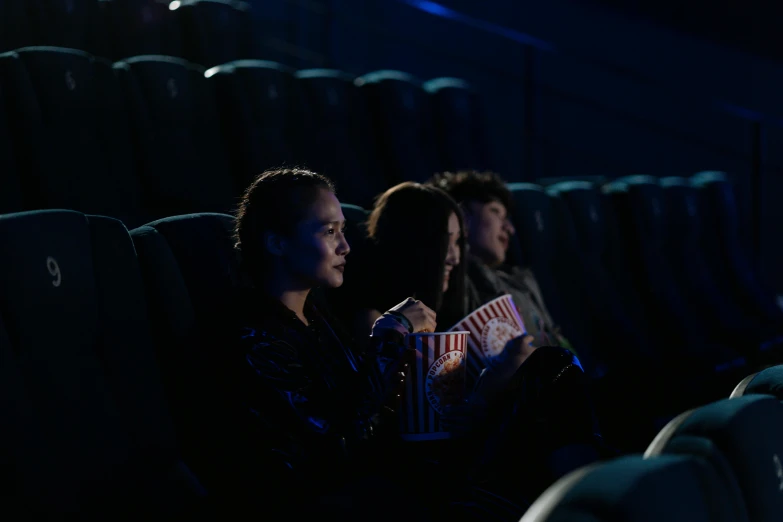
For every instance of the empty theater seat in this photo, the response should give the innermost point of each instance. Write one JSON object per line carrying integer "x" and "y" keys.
{"x": 75, "y": 24}
{"x": 14, "y": 26}
{"x": 401, "y": 119}
{"x": 742, "y": 437}
{"x": 256, "y": 101}
{"x": 632, "y": 489}
{"x": 586, "y": 236}
{"x": 214, "y": 31}
{"x": 684, "y": 228}
{"x": 181, "y": 161}
{"x": 141, "y": 27}
{"x": 768, "y": 381}
{"x": 10, "y": 188}
{"x": 335, "y": 137}
{"x": 191, "y": 276}
{"x": 725, "y": 250}
{"x": 86, "y": 429}
{"x": 639, "y": 205}
{"x": 70, "y": 133}
{"x": 458, "y": 124}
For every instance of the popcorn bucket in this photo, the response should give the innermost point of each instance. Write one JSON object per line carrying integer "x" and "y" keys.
{"x": 435, "y": 380}
{"x": 491, "y": 326}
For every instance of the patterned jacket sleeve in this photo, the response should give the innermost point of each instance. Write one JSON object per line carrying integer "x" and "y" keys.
{"x": 315, "y": 415}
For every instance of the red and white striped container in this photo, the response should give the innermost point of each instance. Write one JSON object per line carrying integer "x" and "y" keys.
{"x": 491, "y": 326}
{"x": 435, "y": 380}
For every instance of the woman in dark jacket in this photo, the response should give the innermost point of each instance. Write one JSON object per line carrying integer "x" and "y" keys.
{"x": 314, "y": 409}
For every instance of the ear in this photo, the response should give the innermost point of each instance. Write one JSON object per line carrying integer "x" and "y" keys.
{"x": 274, "y": 243}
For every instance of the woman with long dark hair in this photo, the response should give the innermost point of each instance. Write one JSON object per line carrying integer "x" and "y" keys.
{"x": 527, "y": 406}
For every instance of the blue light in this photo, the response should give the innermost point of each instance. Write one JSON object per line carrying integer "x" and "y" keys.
{"x": 436, "y": 9}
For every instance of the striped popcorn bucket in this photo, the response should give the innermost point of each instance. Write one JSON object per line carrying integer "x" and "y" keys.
{"x": 491, "y": 327}
{"x": 436, "y": 380}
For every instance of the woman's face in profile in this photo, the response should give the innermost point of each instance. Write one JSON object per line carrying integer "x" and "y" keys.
{"x": 453, "y": 253}
{"x": 316, "y": 254}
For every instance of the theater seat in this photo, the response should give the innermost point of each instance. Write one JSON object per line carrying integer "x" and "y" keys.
{"x": 141, "y": 27}
{"x": 70, "y": 133}
{"x": 86, "y": 429}
{"x": 256, "y": 102}
{"x": 639, "y": 204}
{"x": 214, "y": 31}
{"x": 458, "y": 124}
{"x": 768, "y": 381}
{"x": 182, "y": 163}
{"x": 635, "y": 357}
{"x": 685, "y": 226}
{"x": 632, "y": 489}
{"x": 75, "y": 24}
{"x": 725, "y": 250}
{"x": 10, "y": 187}
{"x": 15, "y": 29}
{"x": 191, "y": 276}
{"x": 741, "y": 437}
{"x": 401, "y": 119}
{"x": 336, "y": 138}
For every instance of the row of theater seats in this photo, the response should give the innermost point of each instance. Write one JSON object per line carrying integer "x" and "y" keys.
{"x": 649, "y": 280}
{"x": 206, "y": 32}
{"x": 110, "y": 391}
{"x": 155, "y": 136}
{"x": 719, "y": 462}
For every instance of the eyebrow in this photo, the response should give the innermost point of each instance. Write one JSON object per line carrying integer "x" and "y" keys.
{"x": 326, "y": 223}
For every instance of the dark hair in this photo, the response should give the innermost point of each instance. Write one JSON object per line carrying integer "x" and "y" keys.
{"x": 472, "y": 185}
{"x": 276, "y": 201}
{"x": 409, "y": 227}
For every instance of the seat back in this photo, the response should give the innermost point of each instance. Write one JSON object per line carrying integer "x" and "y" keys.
{"x": 742, "y": 437}
{"x": 191, "y": 275}
{"x": 726, "y": 249}
{"x": 768, "y": 381}
{"x": 81, "y": 404}
{"x": 256, "y": 101}
{"x": 74, "y": 24}
{"x": 141, "y": 27}
{"x": 182, "y": 163}
{"x": 10, "y": 185}
{"x": 401, "y": 120}
{"x": 215, "y": 31}
{"x": 458, "y": 124}
{"x": 71, "y": 133}
{"x": 336, "y": 138}
{"x": 632, "y": 489}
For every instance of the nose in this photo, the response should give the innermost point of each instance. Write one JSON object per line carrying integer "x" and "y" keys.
{"x": 508, "y": 226}
{"x": 343, "y": 248}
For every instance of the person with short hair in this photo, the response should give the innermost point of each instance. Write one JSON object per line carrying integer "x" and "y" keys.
{"x": 486, "y": 204}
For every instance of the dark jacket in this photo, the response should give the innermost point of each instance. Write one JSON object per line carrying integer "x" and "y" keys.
{"x": 313, "y": 403}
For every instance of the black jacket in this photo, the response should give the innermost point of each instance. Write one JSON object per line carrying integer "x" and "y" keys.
{"x": 313, "y": 403}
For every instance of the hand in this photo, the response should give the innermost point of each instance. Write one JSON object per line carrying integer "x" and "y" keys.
{"x": 516, "y": 351}
{"x": 500, "y": 370}
{"x": 420, "y": 315}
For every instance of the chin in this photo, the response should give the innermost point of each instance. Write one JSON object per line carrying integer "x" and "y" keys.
{"x": 334, "y": 282}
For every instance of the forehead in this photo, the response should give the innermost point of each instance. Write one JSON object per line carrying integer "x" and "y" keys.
{"x": 325, "y": 208}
